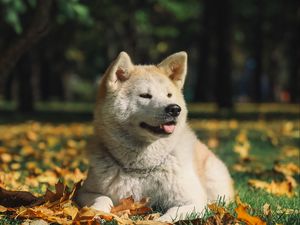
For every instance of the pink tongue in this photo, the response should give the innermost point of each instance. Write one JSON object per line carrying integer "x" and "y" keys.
{"x": 169, "y": 128}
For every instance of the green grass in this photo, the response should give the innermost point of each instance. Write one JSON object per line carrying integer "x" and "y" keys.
{"x": 264, "y": 154}
{"x": 265, "y": 135}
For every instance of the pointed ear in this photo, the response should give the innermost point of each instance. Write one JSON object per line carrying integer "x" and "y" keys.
{"x": 118, "y": 71}
{"x": 175, "y": 66}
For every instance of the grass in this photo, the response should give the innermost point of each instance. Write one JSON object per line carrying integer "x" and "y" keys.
{"x": 264, "y": 154}
{"x": 31, "y": 151}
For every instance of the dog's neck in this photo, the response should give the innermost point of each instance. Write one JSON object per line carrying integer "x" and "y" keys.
{"x": 142, "y": 170}
{"x": 135, "y": 156}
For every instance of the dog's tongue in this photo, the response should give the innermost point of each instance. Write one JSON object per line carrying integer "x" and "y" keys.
{"x": 168, "y": 128}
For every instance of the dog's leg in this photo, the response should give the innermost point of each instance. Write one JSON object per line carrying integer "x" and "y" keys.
{"x": 94, "y": 200}
{"x": 217, "y": 180}
{"x": 214, "y": 174}
{"x": 180, "y": 212}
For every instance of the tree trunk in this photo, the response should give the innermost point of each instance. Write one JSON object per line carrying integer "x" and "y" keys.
{"x": 258, "y": 52}
{"x": 294, "y": 54}
{"x": 8, "y": 87}
{"x": 201, "y": 90}
{"x": 25, "y": 93}
{"x": 38, "y": 27}
{"x": 223, "y": 89}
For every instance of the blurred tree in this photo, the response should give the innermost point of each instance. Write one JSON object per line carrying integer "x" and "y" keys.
{"x": 38, "y": 27}
{"x": 216, "y": 28}
{"x": 28, "y": 30}
{"x": 293, "y": 48}
{"x": 80, "y": 38}
{"x": 223, "y": 90}
{"x": 258, "y": 50}
{"x": 204, "y": 50}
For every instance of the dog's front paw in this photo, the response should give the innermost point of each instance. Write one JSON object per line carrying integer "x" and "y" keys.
{"x": 165, "y": 218}
{"x": 103, "y": 203}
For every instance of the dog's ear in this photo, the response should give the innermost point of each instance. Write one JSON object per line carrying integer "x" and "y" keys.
{"x": 119, "y": 71}
{"x": 175, "y": 66}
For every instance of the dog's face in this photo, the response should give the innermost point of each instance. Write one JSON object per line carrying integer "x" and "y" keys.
{"x": 143, "y": 102}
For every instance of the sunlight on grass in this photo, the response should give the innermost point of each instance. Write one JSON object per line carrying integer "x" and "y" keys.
{"x": 36, "y": 155}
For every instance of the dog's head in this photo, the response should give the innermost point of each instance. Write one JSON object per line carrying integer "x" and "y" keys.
{"x": 143, "y": 101}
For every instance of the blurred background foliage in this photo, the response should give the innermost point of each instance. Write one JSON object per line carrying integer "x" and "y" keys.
{"x": 239, "y": 51}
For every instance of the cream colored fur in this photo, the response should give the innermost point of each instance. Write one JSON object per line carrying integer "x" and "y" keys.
{"x": 176, "y": 171}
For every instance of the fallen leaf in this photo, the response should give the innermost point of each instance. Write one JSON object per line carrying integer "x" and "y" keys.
{"x": 2, "y": 208}
{"x": 267, "y": 209}
{"x": 243, "y": 150}
{"x": 5, "y": 157}
{"x": 221, "y": 216}
{"x": 128, "y": 205}
{"x": 243, "y": 215}
{"x": 242, "y": 137}
{"x": 291, "y": 151}
{"x": 17, "y": 198}
{"x": 71, "y": 211}
{"x": 213, "y": 142}
{"x": 288, "y": 169}
{"x": 277, "y": 188}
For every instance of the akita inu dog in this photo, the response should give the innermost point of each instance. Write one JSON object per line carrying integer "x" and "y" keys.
{"x": 143, "y": 146}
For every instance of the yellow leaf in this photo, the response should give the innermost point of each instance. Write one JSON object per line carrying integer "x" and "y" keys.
{"x": 71, "y": 211}
{"x": 242, "y": 137}
{"x": 31, "y": 136}
{"x": 291, "y": 151}
{"x": 267, "y": 209}
{"x": 213, "y": 142}
{"x": 5, "y": 157}
{"x": 289, "y": 169}
{"x": 128, "y": 205}
{"x": 277, "y": 188}
{"x": 15, "y": 166}
{"x": 3, "y": 209}
{"x": 243, "y": 150}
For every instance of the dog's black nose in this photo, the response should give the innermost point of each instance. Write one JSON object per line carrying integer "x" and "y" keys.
{"x": 173, "y": 110}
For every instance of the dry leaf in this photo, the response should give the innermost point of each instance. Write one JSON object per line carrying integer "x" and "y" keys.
{"x": 242, "y": 137}
{"x": 17, "y": 198}
{"x": 277, "y": 188}
{"x": 267, "y": 209}
{"x": 240, "y": 168}
{"x": 2, "y": 208}
{"x": 128, "y": 205}
{"x": 213, "y": 142}
{"x": 291, "y": 151}
{"x": 243, "y": 215}
{"x": 221, "y": 216}
{"x": 243, "y": 150}
{"x": 289, "y": 169}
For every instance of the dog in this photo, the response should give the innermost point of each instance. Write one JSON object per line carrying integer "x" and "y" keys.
{"x": 143, "y": 147}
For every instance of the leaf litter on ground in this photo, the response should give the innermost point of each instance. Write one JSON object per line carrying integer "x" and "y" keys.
{"x": 35, "y": 156}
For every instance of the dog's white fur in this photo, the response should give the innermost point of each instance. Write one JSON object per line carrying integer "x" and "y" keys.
{"x": 176, "y": 171}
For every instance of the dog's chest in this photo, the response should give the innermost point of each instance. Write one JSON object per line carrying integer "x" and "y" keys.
{"x": 160, "y": 184}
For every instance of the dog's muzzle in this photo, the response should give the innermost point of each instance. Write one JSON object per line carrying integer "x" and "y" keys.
{"x": 173, "y": 110}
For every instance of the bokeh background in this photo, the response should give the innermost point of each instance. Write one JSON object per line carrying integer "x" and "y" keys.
{"x": 242, "y": 88}
{"x": 53, "y": 52}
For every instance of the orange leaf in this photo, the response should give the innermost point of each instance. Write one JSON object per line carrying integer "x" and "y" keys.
{"x": 134, "y": 208}
{"x": 242, "y": 214}
{"x": 3, "y": 209}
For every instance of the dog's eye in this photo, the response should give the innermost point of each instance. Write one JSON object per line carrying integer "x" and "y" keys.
{"x": 146, "y": 95}
{"x": 169, "y": 95}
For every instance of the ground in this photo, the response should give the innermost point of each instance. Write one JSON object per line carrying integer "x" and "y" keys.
{"x": 260, "y": 147}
